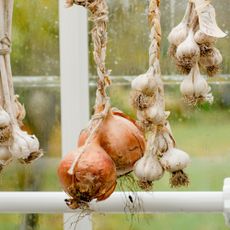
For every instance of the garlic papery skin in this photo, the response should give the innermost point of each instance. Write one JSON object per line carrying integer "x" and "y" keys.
{"x": 164, "y": 141}
{"x": 148, "y": 169}
{"x": 154, "y": 114}
{"x": 188, "y": 51}
{"x": 195, "y": 88}
{"x": 201, "y": 87}
{"x": 207, "y": 19}
{"x": 202, "y": 38}
{"x": 20, "y": 111}
{"x": 5, "y": 154}
{"x": 5, "y": 157}
{"x": 211, "y": 61}
{"x": 213, "y": 57}
{"x": 179, "y": 33}
{"x": 146, "y": 83}
{"x": 141, "y": 101}
{"x": 5, "y": 128}
{"x": 4, "y": 118}
{"x": 174, "y": 160}
{"x": 24, "y": 146}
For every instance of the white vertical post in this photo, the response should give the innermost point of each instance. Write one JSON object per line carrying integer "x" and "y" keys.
{"x": 74, "y": 82}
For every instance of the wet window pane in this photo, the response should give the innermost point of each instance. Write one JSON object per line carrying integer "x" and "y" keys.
{"x": 202, "y": 131}
{"x": 35, "y": 65}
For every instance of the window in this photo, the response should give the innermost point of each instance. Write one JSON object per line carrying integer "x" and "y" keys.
{"x": 35, "y": 64}
{"x": 203, "y": 131}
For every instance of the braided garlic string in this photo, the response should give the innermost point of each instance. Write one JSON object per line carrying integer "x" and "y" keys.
{"x": 148, "y": 100}
{"x": 14, "y": 142}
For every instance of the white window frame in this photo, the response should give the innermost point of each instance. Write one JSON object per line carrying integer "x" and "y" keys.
{"x": 75, "y": 90}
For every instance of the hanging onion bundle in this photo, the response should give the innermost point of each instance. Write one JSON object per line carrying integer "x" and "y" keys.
{"x": 112, "y": 142}
{"x": 192, "y": 46}
{"x": 121, "y": 138}
{"x": 148, "y": 99}
{"x": 14, "y": 142}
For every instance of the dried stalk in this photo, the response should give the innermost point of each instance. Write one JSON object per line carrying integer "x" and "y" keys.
{"x": 154, "y": 123}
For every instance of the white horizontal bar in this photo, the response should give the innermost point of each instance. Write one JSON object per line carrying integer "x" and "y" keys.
{"x": 151, "y": 202}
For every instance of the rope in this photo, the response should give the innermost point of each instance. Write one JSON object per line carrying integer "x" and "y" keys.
{"x": 99, "y": 11}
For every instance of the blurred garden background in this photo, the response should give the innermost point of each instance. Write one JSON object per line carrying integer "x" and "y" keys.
{"x": 203, "y": 131}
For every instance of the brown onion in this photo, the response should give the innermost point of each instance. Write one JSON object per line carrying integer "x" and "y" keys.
{"x": 121, "y": 138}
{"x": 94, "y": 175}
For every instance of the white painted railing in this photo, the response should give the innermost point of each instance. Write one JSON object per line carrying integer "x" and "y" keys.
{"x": 118, "y": 202}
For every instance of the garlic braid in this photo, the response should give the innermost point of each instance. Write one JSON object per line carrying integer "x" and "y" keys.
{"x": 148, "y": 100}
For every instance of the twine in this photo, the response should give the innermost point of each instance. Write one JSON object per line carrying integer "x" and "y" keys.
{"x": 99, "y": 11}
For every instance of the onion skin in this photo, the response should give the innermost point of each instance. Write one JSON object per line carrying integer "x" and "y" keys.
{"x": 94, "y": 175}
{"x": 121, "y": 138}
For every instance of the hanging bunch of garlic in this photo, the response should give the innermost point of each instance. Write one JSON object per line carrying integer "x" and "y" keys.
{"x": 148, "y": 100}
{"x": 14, "y": 142}
{"x": 112, "y": 142}
{"x": 192, "y": 46}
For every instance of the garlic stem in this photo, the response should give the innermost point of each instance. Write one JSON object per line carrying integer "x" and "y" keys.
{"x": 188, "y": 12}
{"x": 8, "y": 19}
{"x": 4, "y": 80}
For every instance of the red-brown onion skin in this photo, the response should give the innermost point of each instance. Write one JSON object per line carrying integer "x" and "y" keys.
{"x": 121, "y": 138}
{"x": 94, "y": 174}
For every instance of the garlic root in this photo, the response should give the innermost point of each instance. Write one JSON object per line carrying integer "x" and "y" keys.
{"x": 174, "y": 161}
{"x": 179, "y": 179}
{"x": 147, "y": 170}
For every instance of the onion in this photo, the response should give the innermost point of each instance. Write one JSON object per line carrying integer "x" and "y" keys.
{"x": 94, "y": 175}
{"x": 121, "y": 138}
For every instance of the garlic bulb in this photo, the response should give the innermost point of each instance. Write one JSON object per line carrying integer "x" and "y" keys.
{"x": 179, "y": 33}
{"x": 195, "y": 88}
{"x": 211, "y": 61}
{"x": 188, "y": 52}
{"x": 202, "y": 38}
{"x": 4, "y": 118}
{"x": 174, "y": 160}
{"x": 5, "y": 156}
{"x": 25, "y": 147}
{"x": 148, "y": 169}
{"x": 5, "y": 128}
{"x": 154, "y": 114}
{"x": 141, "y": 101}
{"x": 146, "y": 83}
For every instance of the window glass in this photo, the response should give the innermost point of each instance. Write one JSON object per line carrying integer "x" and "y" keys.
{"x": 35, "y": 65}
{"x": 202, "y": 131}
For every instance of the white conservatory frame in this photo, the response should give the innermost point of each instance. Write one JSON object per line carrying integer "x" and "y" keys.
{"x": 74, "y": 85}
